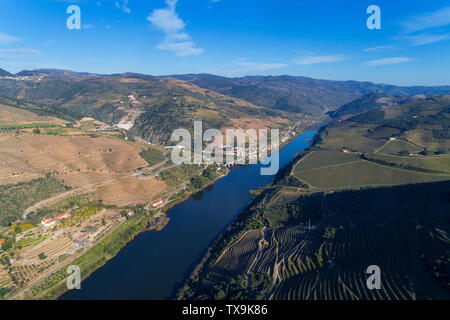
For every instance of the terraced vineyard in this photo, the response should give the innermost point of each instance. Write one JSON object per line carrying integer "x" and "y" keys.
{"x": 238, "y": 258}
{"x": 403, "y": 242}
{"x": 363, "y": 194}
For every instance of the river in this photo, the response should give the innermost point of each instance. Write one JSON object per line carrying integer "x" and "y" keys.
{"x": 155, "y": 264}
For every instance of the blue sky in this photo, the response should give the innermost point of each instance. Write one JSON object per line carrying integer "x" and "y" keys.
{"x": 319, "y": 39}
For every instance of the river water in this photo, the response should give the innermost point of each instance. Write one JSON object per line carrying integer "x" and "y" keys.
{"x": 155, "y": 264}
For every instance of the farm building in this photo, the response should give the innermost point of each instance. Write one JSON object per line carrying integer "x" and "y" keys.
{"x": 47, "y": 222}
{"x": 158, "y": 203}
{"x": 61, "y": 216}
{"x": 81, "y": 241}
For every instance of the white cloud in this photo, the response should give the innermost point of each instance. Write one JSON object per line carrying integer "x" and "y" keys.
{"x": 176, "y": 40}
{"x": 307, "y": 60}
{"x": 182, "y": 49}
{"x": 429, "y": 20}
{"x": 125, "y": 7}
{"x": 240, "y": 67}
{"x": 7, "y": 38}
{"x": 259, "y": 66}
{"x": 18, "y": 53}
{"x": 379, "y": 49}
{"x": 423, "y": 39}
{"x": 123, "y": 4}
{"x": 211, "y": 3}
{"x": 426, "y": 28}
{"x": 388, "y": 61}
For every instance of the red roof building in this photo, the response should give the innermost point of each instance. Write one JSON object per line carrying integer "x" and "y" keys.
{"x": 48, "y": 222}
{"x": 61, "y": 216}
{"x": 157, "y": 203}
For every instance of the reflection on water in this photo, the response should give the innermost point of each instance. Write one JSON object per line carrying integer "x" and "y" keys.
{"x": 198, "y": 195}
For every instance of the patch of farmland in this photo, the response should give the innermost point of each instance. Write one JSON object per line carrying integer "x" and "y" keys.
{"x": 424, "y": 138}
{"x": 339, "y": 273}
{"x": 382, "y": 132}
{"x": 317, "y": 159}
{"x": 437, "y": 163}
{"x": 52, "y": 247}
{"x": 237, "y": 258}
{"x": 280, "y": 242}
{"x": 130, "y": 191}
{"x": 5, "y": 279}
{"x": 337, "y": 139}
{"x": 283, "y": 196}
{"x": 15, "y": 198}
{"x": 40, "y": 154}
{"x": 82, "y": 179}
{"x": 363, "y": 173}
{"x": 409, "y": 242}
{"x": 396, "y": 146}
{"x": 10, "y": 116}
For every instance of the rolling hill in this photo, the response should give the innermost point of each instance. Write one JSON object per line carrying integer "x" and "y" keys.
{"x": 300, "y": 94}
{"x": 154, "y": 106}
{"x": 372, "y": 189}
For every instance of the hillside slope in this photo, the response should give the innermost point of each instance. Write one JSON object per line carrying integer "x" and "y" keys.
{"x": 372, "y": 189}
{"x": 300, "y": 94}
{"x": 154, "y": 106}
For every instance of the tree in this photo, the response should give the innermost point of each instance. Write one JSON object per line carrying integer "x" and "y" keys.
{"x": 220, "y": 295}
{"x": 198, "y": 182}
{"x": 8, "y": 243}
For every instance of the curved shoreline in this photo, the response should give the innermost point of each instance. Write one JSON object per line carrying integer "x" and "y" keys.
{"x": 199, "y": 255}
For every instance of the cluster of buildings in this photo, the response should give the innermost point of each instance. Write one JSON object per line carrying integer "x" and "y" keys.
{"x": 132, "y": 99}
{"x": 24, "y": 78}
{"x": 288, "y": 134}
{"x": 48, "y": 222}
{"x": 81, "y": 241}
{"x": 83, "y": 238}
{"x": 126, "y": 125}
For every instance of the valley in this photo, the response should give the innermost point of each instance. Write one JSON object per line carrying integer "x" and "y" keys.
{"x": 85, "y": 168}
{"x": 366, "y": 192}
{"x": 104, "y": 164}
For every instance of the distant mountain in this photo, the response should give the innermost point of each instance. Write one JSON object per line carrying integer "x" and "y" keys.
{"x": 217, "y": 99}
{"x": 300, "y": 94}
{"x": 156, "y": 106}
{"x": 4, "y": 73}
{"x": 27, "y": 73}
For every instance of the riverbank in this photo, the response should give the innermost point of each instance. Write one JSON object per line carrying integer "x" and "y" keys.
{"x": 52, "y": 284}
{"x": 154, "y": 265}
{"x": 244, "y": 223}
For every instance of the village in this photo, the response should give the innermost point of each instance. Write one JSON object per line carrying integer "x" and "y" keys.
{"x": 38, "y": 250}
